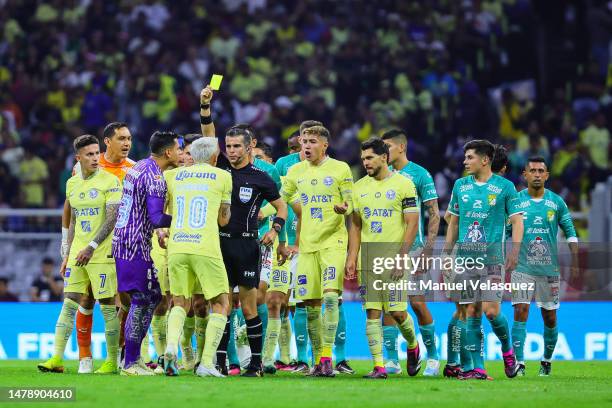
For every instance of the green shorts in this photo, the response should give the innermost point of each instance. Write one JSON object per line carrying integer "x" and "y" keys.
{"x": 101, "y": 277}
{"x": 319, "y": 271}
{"x": 160, "y": 261}
{"x": 185, "y": 269}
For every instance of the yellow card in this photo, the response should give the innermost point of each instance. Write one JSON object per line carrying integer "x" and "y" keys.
{"x": 215, "y": 82}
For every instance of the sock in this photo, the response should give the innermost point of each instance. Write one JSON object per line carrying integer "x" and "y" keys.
{"x": 200, "y": 333}
{"x": 84, "y": 321}
{"x": 137, "y": 324}
{"x": 519, "y": 332}
{"x": 550, "y": 341}
{"x": 314, "y": 331}
{"x": 159, "y": 328}
{"x": 262, "y": 312}
{"x": 221, "y": 349}
{"x": 272, "y": 334}
{"x": 144, "y": 348}
{"x": 429, "y": 339}
{"x": 124, "y": 314}
{"x": 374, "y": 334}
{"x": 453, "y": 342}
{"x": 63, "y": 327}
{"x": 330, "y": 323}
{"x": 284, "y": 340}
{"x": 300, "y": 326}
{"x": 215, "y": 330}
{"x": 188, "y": 328}
{"x": 390, "y": 334}
{"x": 474, "y": 339}
{"x": 255, "y": 335}
{"x": 176, "y": 320}
{"x": 407, "y": 330}
{"x": 232, "y": 352}
{"x": 464, "y": 353}
{"x": 500, "y": 327}
{"x": 340, "y": 341}
{"x": 111, "y": 332}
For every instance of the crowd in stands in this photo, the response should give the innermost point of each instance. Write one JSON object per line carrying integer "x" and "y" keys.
{"x": 443, "y": 70}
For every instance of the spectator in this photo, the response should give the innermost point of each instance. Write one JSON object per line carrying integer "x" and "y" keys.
{"x": 5, "y": 294}
{"x": 596, "y": 140}
{"x": 47, "y": 287}
{"x": 33, "y": 174}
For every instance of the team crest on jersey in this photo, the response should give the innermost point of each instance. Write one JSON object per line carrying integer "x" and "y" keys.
{"x": 390, "y": 194}
{"x": 245, "y": 194}
{"x": 86, "y": 226}
{"x": 475, "y": 233}
{"x": 550, "y": 215}
{"x": 492, "y": 199}
{"x": 377, "y": 195}
{"x": 82, "y": 196}
{"x": 537, "y": 248}
{"x": 93, "y": 193}
{"x": 328, "y": 181}
{"x": 367, "y": 212}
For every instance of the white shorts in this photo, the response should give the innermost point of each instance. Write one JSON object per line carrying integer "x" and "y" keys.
{"x": 544, "y": 288}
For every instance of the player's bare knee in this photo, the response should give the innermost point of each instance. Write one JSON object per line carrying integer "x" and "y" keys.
{"x": 373, "y": 314}
{"x": 399, "y": 317}
{"x": 75, "y": 297}
{"x": 106, "y": 302}
{"x": 88, "y": 302}
{"x": 521, "y": 312}
{"x": 549, "y": 317}
{"x": 388, "y": 320}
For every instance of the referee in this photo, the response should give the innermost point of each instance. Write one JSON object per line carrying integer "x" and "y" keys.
{"x": 240, "y": 244}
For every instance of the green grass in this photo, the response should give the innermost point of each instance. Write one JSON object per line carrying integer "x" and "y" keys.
{"x": 572, "y": 384}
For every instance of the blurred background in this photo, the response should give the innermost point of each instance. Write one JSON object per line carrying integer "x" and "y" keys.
{"x": 532, "y": 75}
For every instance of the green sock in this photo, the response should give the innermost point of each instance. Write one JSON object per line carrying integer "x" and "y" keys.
{"x": 214, "y": 332}
{"x": 330, "y": 323}
{"x": 300, "y": 326}
{"x": 144, "y": 348}
{"x": 340, "y": 340}
{"x": 271, "y": 340}
{"x": 262, "y": 312}
{"x": 159, "y": 327}
{"x": 188, "y": 329}
{"x": 453, "y": 344}
{"x": 390, "y": 334}
{"x": 284, "y": 341}
{"x": 200, "y": 333}
{"x": 176, "y": 320}
{"x": 464, "y": 352}
{"x": 374, "y": 334}
{"x": 407, "y": 330}
{"x": 111, "y": 331}
{"x": 550, "y": 341}
{"x": 475, "y": 338}
{"x": 314, "y": 331}
{"x": 63, "y": 327}
{"x": 500, "y": 327}
{"x": 519, "y": 332}
{"x": 232, "y": 352}
{"x": 429, "y": 339}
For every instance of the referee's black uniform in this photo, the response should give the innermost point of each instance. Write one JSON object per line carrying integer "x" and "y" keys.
{"x": 239, "y": 240}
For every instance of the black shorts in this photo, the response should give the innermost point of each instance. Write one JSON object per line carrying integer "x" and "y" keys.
{"x": 242, "y": 259}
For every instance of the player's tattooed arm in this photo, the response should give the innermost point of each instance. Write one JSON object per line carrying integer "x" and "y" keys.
{"x": 69, "y": 240}
{"x": 224, "y": 215}
{"x": 350, "y": 269}
{"x": 433, "y": 224}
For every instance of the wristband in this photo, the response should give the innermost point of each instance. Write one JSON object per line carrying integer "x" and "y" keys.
{"x": 93, "y": 244}
{"x": 279, "y": 221}
{"x": 205, "y": 106}
{"x": 64, "y": 234}
{"x": 205, "y": 120}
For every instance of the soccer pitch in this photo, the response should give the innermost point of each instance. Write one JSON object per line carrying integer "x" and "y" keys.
{"x": 572, "y": 384}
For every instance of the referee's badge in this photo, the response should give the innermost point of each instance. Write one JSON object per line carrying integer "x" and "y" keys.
{"x": 245, "y": 194}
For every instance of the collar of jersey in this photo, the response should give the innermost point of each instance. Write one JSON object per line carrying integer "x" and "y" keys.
{"x": 320, "y": 164}
{"x": 92, "y": 174}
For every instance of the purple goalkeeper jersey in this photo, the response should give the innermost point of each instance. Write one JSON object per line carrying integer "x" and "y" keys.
{"x": 141, "y": 211}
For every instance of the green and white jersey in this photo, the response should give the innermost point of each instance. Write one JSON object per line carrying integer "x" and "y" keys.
{"x": 283, "y": 165}
{"x": 426, "y": 191}
{"x": 541, "y": 219}
{"x": 482, "y": 209}
{"x": 269, "y": 168}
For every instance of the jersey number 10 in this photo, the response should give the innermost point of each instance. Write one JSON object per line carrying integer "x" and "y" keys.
{"x": 196, "y": 213}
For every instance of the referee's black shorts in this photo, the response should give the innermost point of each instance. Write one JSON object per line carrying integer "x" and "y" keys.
{"x": 242, "y": 259}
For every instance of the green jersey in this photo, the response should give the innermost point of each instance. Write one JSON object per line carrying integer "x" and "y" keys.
{"x": 482, "y": 209}
{"x": 282, "y": 166}
{"x": 542, "y": 218}
{"x": 273, "y": 173}
{"x": 426, "y": 191}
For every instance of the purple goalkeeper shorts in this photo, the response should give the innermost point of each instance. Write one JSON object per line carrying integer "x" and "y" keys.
{"x": 136, "y": 274}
